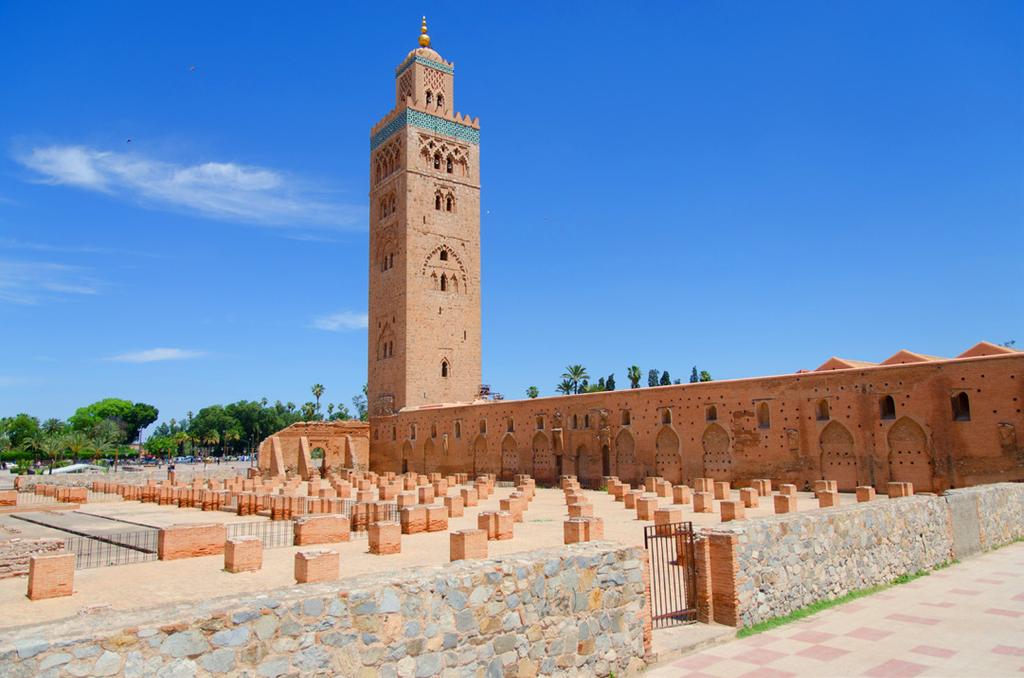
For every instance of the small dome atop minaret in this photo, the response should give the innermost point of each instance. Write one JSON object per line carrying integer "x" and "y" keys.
{"x": 424, "y": 50}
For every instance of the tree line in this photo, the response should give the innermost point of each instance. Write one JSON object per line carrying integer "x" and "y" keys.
{"x": 576, "y": 380}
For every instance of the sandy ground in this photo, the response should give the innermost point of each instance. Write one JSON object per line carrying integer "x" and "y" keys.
{"x": 142, "y": 585}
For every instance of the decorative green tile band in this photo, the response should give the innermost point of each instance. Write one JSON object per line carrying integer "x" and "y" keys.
{"x": 425, "y": 121}
{"x": 429, "y": 63}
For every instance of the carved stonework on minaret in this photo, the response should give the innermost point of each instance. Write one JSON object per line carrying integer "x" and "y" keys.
{"x": 424, "y": 300}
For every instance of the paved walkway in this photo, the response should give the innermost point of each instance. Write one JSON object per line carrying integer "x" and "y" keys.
{"x": 966, "y": 620}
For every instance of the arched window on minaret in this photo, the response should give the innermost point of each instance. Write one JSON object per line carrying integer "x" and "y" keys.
{"x": 430, "y": 97}
{"x": 443, "y": 256}
{"x": 444, "y": 283}
{"x": 455, "y": 284}
{"x": 450, "y": 165}
{"x": 437, "y": 160}
{"x": 440, "y": 101}
{"x": 449, "y": 203}
{"x": 444, "y": 368}
{"x": 437, "y": 201}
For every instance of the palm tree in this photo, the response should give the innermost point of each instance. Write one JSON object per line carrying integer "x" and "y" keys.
{"x": 318, "y": 390}
{"x": 76, "y": 443}
{"x": 230, "y": 436}
{"x": 576, "y": 374}
{"x": 179, "y": 438}
{"x": 52, "y": 425}
{"x": 210, "y": 439}
{"x": 633, "y": 374}
{"x": 53, "y": 447}
{"x": 565, "y": 387}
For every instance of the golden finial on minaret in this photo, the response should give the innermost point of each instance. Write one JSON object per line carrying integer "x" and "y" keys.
{"x": 424, "y": 38}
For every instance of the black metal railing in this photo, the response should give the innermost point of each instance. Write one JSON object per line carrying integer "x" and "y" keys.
{"x": 273, "y": 533}
{"x": 119, "y": 548}
{"x": 673, "y": 574}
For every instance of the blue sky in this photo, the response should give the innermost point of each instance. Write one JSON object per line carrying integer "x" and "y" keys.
{"x": 749, "y": 187}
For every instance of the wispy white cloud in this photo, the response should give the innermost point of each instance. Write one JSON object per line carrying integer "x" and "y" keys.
{"x": 154, "y": 355}
{"x": 221, "y": 190}
{"x": 8, "y": 243}
{"x": 33, "y": 282}
{"x": 341, "y": 322}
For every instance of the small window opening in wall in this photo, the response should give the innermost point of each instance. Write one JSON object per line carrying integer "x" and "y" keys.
{"x": 433, "y": 430}
{"x": 444, "y": 255}
{"x": 540, "y": 423}
{"x": 764, "y": 419}
{"x": 711, "y": 414}
{"x": 437, "y": 202}
{"x": 444, "y": 282}
{"x": 449, "y": 166}
{"x": 961, "y": 407}
{"x": 626, "y": 417}
{"x": 440, "y": 100}
{"x": 887, "y": 407}
{"x": 430, "y": 97}
{"x": 821, "y": 410}
{"x": 412, "y": 432}
{"x": 444, "y": 368}
{"x": 586, "y": 421}
{"x": 483, "y": 426}
{"x": 437, "y": 161}
{"x": 394, "y": 433}
{"x": 575, "y": 421}
{"x": 666, "y": 416}
{"x": 458, "y": 429}
{"x": 510, "y": 425}
{"x": 448, "y": 204}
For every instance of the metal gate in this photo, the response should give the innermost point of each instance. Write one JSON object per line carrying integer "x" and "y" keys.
{"x": 673, "y": 573}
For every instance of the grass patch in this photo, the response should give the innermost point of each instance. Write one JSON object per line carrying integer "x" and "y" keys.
{"x": 815, "y": 608}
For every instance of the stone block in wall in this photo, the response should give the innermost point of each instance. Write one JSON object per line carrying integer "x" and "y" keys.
{"x": 825, "y": 486}
{"x": 366, "y": 496}
{"x": 191, "y": 541}
{"x": 8, "y": 497}
{"x": 454, "y": 506}
{"x": 437, "y": 518}
{"x": 513, "y": 507}
{"x": 243, "y": 554}
{"x": 763, "y": 486}
{"x": 827, "y": 499}
{"x": 750, "y": 497}
{"x": 51, "y": 576}
{"x": 385, "y": 538}
{"x": 650, "y": 482}
{"x": 645, "y": 507}
{"x": 785, "y": 503}
{"x": 440, "y": 488}
{"x": 703, "y": 502}
{"x": 321, "y": 529}
{"x": 865, "y": 493}
{"x": 668, "y": 515}
{"x": 574, "y": 531}
{"x": 898, "y": 489}
{"x": 413, "y": 519}
{"x": 317, "y": 566}
{"x": 469, "y": 496}
{"x": 405, "y": 499}
{"x": 704, "y": 485}
{"x": 732, "y": 510}
{"x": 629, "y": 498}
{"x": 724, "y": 569}
{"x": 788, "y": 489}
{"x": 468, "y": 544}
{"x": 483, "y": 489}
{"x": 574, "y": 497}
{"x": 615, "y": 489}
{"x": 581, "y": 510}
{"x": 722, "y": 490}
{"x": 409, "y": 483}
{"x": 663, "y": 488}
{"x": 681, "y": 494}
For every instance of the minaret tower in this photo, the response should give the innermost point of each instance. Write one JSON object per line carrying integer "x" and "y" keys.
{"x": 424, "y": 309}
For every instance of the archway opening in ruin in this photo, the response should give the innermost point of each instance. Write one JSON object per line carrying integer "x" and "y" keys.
{"x": 668, "y": 461}
{"x": 838, "y": 459}
{"x": 543, "y": 461}
{"x": 509, "y": 458}
{"x": 718, "y": 461}
{"x": 625, "y": 458}
{"x": 909, "y": 458}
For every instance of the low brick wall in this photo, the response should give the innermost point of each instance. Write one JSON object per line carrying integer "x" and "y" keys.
{"x": 768, "y": 567}
{"x": 15, "y": 553}
{"x": 578, "y": 609}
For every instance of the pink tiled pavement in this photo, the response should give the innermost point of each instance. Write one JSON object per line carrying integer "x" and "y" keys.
{"x": 968, "y": 621}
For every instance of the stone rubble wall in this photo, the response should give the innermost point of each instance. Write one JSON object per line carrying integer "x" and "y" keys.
{"x": 771, "y": 566}
{"x": 578, "y": 609}
{"x": 15, "y": 553}
{"x": 183, "y": 474}
{"x": 1000, "y": 512}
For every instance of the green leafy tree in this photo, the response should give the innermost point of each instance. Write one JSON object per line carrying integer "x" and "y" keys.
{"x": 20, "y": 429}
{"x": 318, "y": 390}
{"x": 633, "y": 374}
{"x": 665, "y": 379}
{"x": 52, "y": 446}
{"x": 532, "y": 392}
{"x": 77, "y": 443}
{"x": 360, "y": 403}
{"x": 577, "y": 374}
{"x": 609, "y": 383}
{"x": 694, "y": 376}
{"x": 308, "y": 411}
{"x": 566, "y": 387}
{"x": 341, "y": 413}
{"x": 53, "y": 425}
{"x": 652, "y": 377}
{"x": 705, "y": 375}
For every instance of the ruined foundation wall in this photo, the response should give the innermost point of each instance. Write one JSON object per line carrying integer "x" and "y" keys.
{"x": 15, "y": 554}
{"x": 579, "y": 607}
